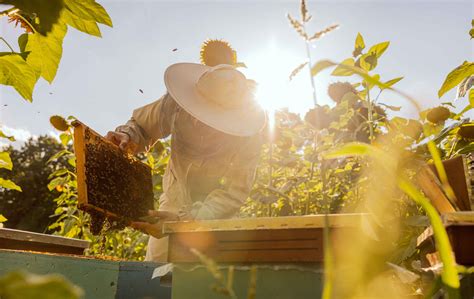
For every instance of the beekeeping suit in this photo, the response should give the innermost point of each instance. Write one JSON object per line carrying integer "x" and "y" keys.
{"x": 215, "y": 128}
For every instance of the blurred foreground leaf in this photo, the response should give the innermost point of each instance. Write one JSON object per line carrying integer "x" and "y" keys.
{"x": 21, "y": 285}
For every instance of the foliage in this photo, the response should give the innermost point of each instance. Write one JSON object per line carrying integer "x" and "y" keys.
{"x": 22, "y": 285}
{"x": 30, "y": 209}
{"x": 40, "y": 48}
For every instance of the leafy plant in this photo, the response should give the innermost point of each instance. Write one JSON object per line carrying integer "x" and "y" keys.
{"x": 40, "y": 48}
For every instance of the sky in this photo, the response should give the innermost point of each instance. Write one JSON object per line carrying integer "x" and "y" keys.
{"x": 99, "y": 79}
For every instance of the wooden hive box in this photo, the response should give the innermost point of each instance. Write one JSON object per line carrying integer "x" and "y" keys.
{"x": 460, "y": 229}
{"x": 109, "y": 180}
{"x": 255, "y": 240}
{"x": 100, "y": 279}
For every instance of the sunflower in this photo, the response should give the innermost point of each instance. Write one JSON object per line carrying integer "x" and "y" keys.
{"x": 338, "y": 90}
{"x": 59, "y": 123}
{"x": 215, "y": 52}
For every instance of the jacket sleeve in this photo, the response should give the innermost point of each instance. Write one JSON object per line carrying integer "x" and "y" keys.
{"x": 150, "y": 123}
{"x": 226, "y": 202}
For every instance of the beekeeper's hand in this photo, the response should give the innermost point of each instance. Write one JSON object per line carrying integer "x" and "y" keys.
{"x": 155, "y": 229}
{"x": 119, "y": 138}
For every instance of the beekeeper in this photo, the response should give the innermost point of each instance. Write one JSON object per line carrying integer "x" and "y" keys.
{"x": 215, "y": 126}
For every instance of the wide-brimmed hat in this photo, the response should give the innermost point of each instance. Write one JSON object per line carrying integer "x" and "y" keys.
{"x": 220, "y": 97}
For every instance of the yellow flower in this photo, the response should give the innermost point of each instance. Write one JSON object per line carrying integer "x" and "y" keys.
{"x": 215, "y": 52}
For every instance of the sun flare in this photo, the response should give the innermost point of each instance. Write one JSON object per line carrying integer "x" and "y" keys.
{"x": 271, "y": 68}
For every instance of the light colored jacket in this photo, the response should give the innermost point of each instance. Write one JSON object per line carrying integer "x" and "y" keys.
{"x": 210, "y": 173}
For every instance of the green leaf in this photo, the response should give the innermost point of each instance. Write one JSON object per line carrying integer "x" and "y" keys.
{"x": 86, "y": 26}
{"x": 379, "y": 49}
{"x": 58, "y": 155}
{"x": 471, "y": 97}
{"x": 59, "y": 181}
{"x": 359, "y": 45}
{"x": 2, "y": 218}
{"x": 5, "y": 161}
{"x": 48, "y": 12}
{"x": 89, "y": 10}
{"x": 456, "y": 76}
{"x": 7, "y": 184}
{"x": 46, "y": 51}
{"x": 392, "y": 82}
{"x": 65, "y": 138}
{"x": 350, "y": 149}
{"x": 22, "y": 41}
{"x": 368, "y": 61}
{"x": 342, "y": 71}
{"x": 321, "y": 66}
{"x": 15, "y": 72}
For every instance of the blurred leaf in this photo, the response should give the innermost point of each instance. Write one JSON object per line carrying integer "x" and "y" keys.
{"x": 379, "y": 49}
{"x": 392, "y": 82}
{"x": 342, "y": 71}
{"x": 2, "y": 218}
{"x": 88, "y": 10}
{"x": 48, "y": 12}
{"x": 456, "y": 76}
{"x": 359, "y": 45}
{"x": 15, "y": 72}
{"x": 5, "y": 161}
{"x": 22, "y": 285}
{"x": 297, "y": 70}
{"x": 2, "y": 135}
{"x": 7, "y": 184}
{"x": 86, "y": 26}
{"x": 321, "y": 66}
{"x": 349, "y": 149}
{"x": 46, "y": 51}
{"x": 471, "y": 97}
{"x": 449, "y": 275}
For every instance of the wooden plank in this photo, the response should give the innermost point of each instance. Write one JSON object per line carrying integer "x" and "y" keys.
{"x": 79, "y": 146}
{"x": 13, "y": 234}
{"x": 458, "y": 177}
{"x": 265, "y": 223}
{"x": 430, "y": 185}
{"x": 460, "y": 229}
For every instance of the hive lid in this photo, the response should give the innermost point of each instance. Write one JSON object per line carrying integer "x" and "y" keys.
{"x": 265, "y": 223}
{"x": 19, "y": 235}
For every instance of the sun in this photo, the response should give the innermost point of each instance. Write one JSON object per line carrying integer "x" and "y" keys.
{"x": 271, "y": 68}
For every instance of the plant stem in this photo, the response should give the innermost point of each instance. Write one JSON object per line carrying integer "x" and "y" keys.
{"x": 310, "y": 63}
{"x": 369, "y": 115}
{"x": 13, "y": 51}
